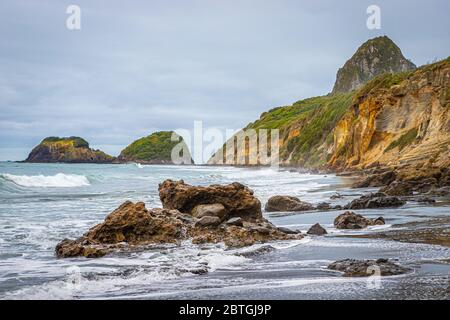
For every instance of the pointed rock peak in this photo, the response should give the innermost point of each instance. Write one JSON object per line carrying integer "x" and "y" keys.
{"x": 374, "y": 57}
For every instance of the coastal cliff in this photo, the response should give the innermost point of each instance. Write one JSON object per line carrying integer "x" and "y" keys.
{"x": 397, "y": 120}
{"x": 155, "y": 149}
{"x": 394, "y": 120}
{"x": 69, "y": 150}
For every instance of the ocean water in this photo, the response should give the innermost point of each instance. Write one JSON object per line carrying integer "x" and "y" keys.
{"x": 41, "y": 204}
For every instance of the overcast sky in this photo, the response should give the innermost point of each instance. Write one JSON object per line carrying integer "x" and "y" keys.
{"x": 140, "y": 66}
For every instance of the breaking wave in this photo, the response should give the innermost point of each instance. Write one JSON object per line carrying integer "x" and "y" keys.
{"x": 59, "y": 180}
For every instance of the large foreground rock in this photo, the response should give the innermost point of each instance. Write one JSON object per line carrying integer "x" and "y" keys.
{"x": 366, "y": 268}
{"x": 132, "y": 224}
{"x": 351, "y": 220}
{"x": 287, "y": 204}
{"x": 237, "y": 199}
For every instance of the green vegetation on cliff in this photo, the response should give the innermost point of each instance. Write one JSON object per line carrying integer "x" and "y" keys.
{"x": 376, "y": 56}
{"x": 305, "y": 127}
{"x": 313, "y": 132}
{"x": 76, "y": 142}
{"x": 314, "y": 118}
{"x": 155, "y": 148}
{"x": 404, "y": 140}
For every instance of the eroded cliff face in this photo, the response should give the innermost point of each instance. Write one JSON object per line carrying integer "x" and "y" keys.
{"x": 397, "y": 120}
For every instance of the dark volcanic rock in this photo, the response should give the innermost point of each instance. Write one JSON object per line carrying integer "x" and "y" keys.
{"x": 256, "y": 252}
{"x": 287, "y": 204}
{"x": 288, "y": 231}
{"x": 366, "y": 268}
{"x": 376, "y": 180}
{"x": 323, "y": 206}
{"x": 351, "y": 220}
{"x": 398, "y": 188}
{"x": 375, "y": 200}
{"x": 317, "y": 230}
{"x": 440, "y": 192}
{"x": 237, "y": 199}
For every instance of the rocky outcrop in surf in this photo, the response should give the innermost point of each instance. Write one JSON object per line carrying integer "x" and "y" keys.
{"x": 317, "y": 230}
{"x": 228, "y": 214}
{"x": 68, "y": 150}
{"x": 375, "y": 200}
{"x": 351, "y": 220}
{"x": 366, "y": 268}
{"x": 286, "y": 204}
{"x": 236, "y": 199}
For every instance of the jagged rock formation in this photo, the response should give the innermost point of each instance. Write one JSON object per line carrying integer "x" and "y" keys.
{"x": 157, "y": 149}
{"x": 70, "y": 150}
{"x": 236, "y": 199}
{"x": 376, "y": 56}
{"x": 228, "y": 214}
{"x": 317, "y": 230}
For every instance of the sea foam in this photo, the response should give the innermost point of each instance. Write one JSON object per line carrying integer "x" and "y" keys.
{"x": 59, "y": 180}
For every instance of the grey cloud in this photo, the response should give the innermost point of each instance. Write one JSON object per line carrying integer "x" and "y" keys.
{"x": 140, "y": 66}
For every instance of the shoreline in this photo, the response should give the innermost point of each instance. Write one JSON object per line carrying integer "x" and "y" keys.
{"x": 321, "y": 249}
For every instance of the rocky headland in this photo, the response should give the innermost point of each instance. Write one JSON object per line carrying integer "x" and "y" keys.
{"x": 156, "y": 149}
{"x": 69, "y": 150}
{"x": 386, "y": 122}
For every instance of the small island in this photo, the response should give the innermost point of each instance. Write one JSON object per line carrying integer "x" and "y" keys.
{"x": 68, "y": 150}
{"x": 154, "y": 149}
